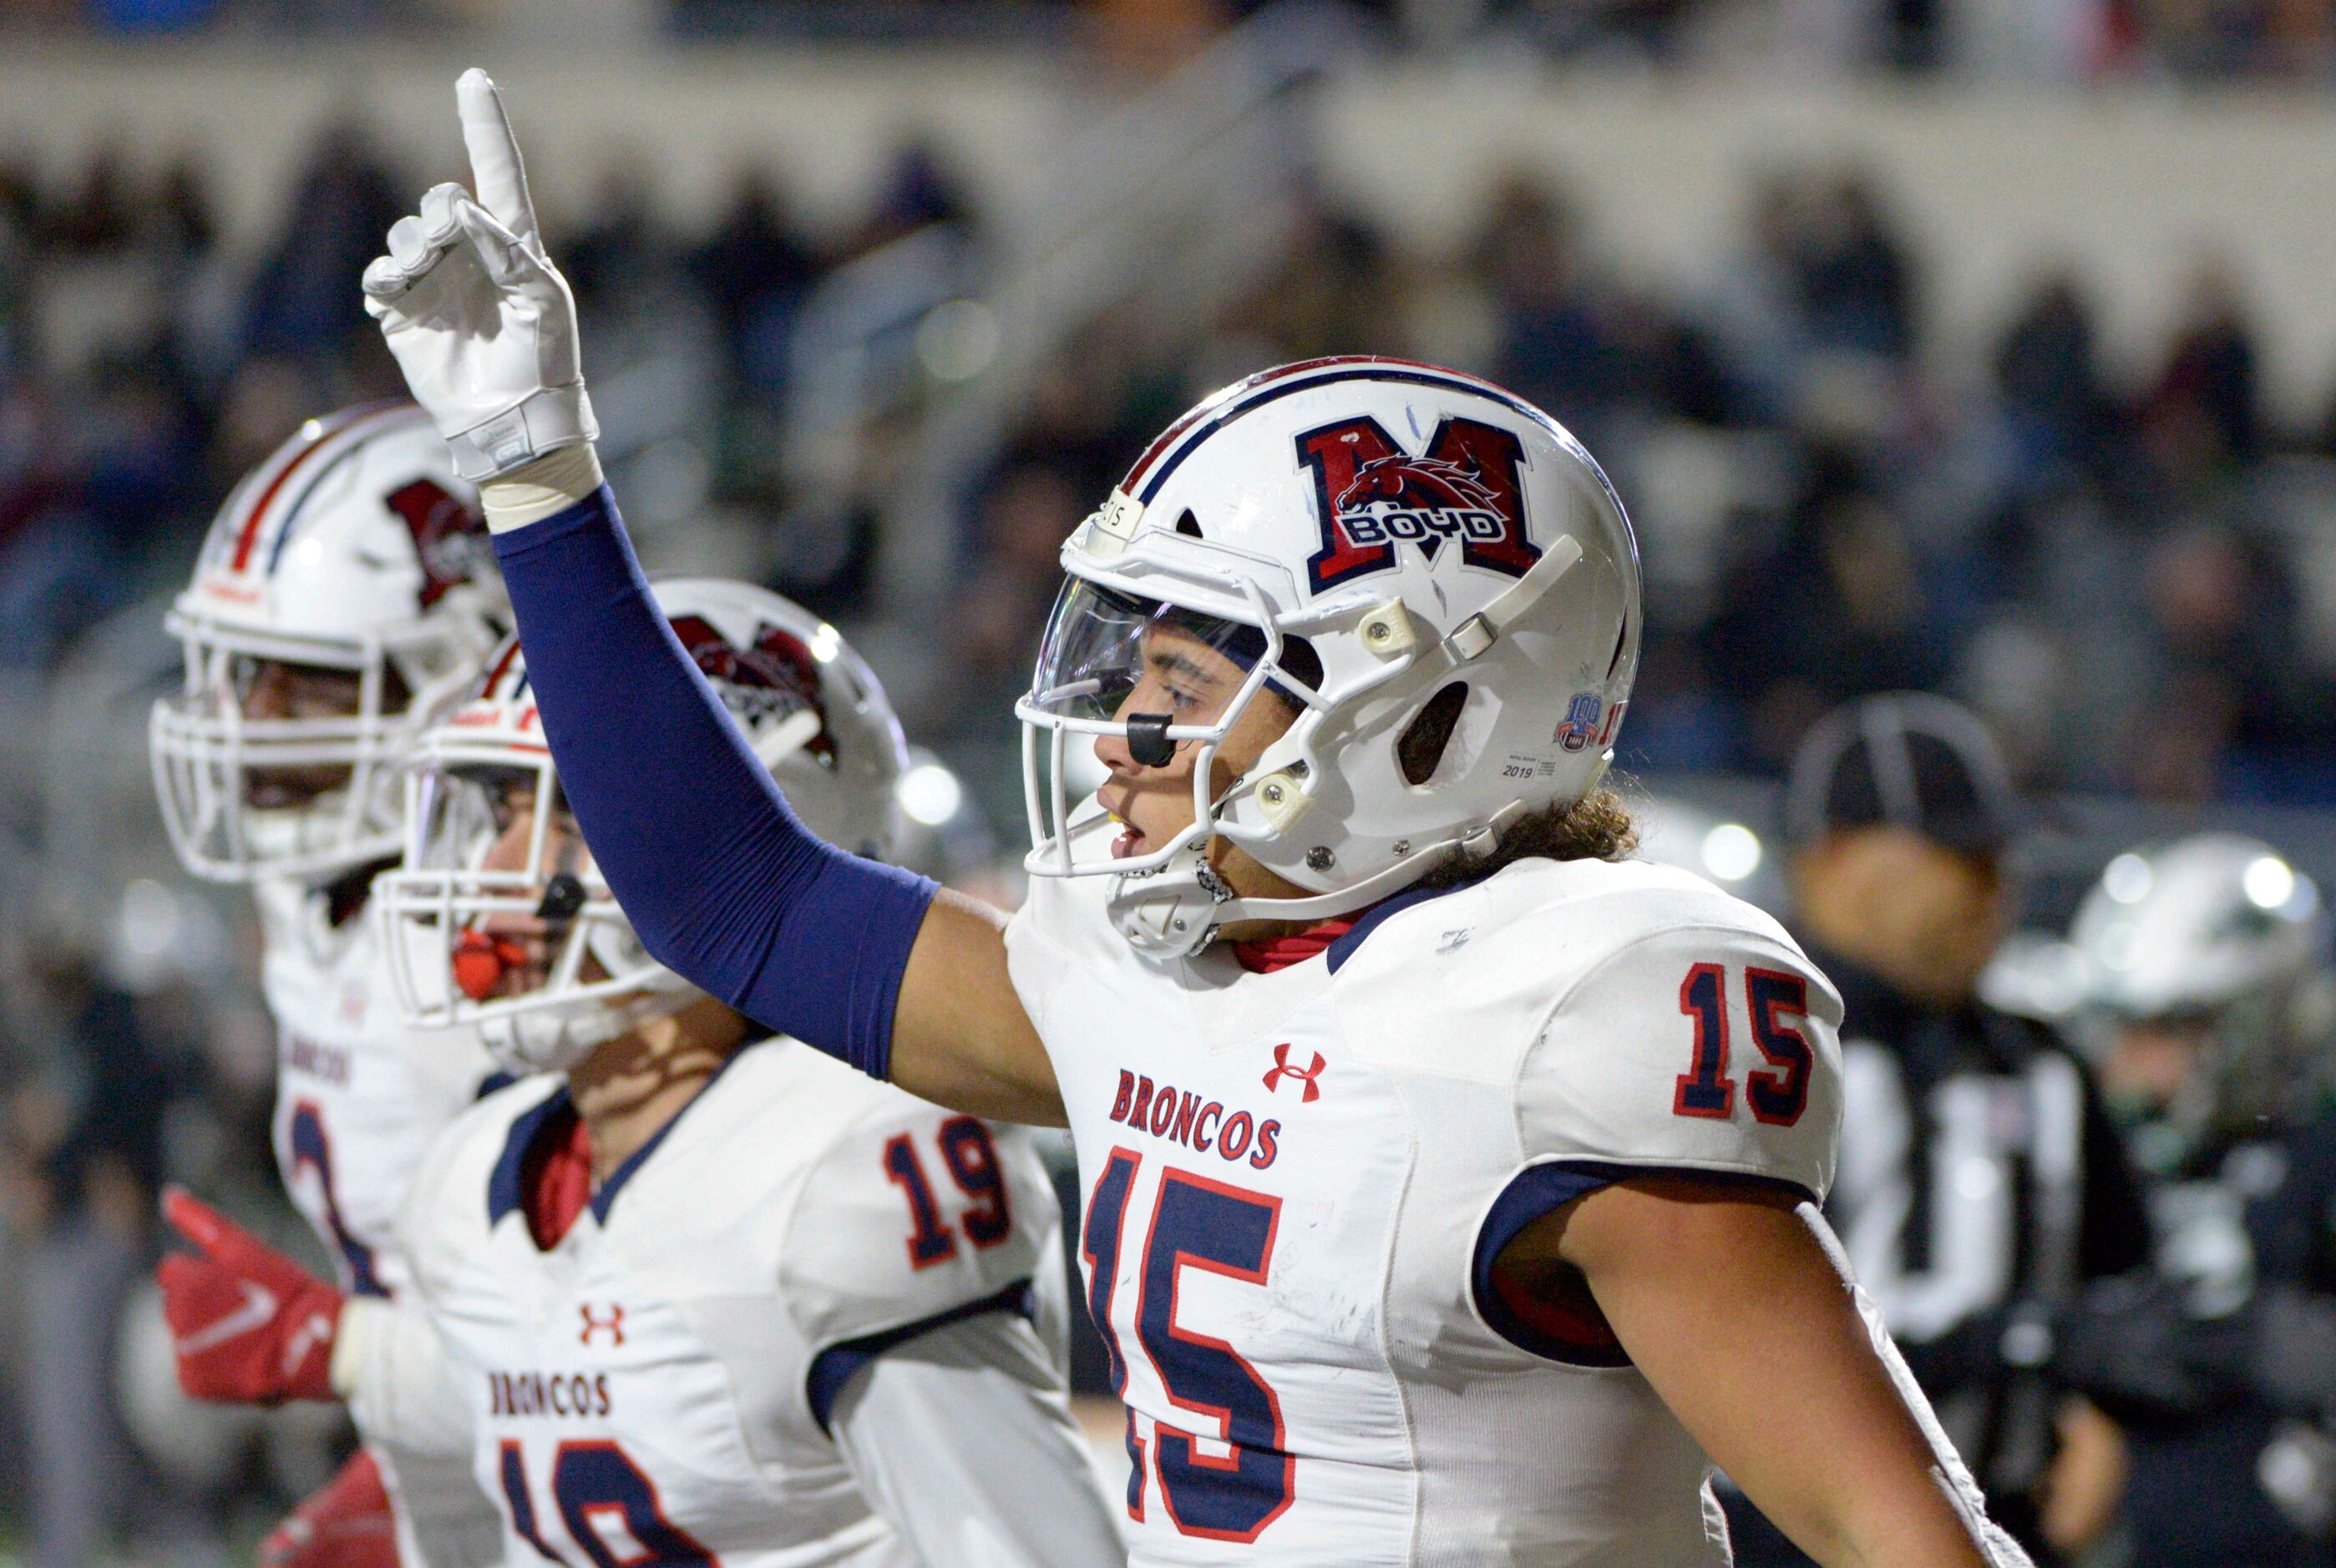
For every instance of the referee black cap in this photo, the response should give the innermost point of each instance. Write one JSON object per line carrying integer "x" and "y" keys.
{"x": 1907, "y": 759}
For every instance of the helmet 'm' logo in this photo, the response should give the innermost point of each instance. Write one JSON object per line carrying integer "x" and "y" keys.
{"x": 1372, "y": 494}
{"x": 448, "y": 536}
{"x": 776, "y": 675}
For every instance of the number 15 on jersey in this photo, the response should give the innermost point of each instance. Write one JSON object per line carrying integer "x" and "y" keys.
{"x": 1244, "y": 1478}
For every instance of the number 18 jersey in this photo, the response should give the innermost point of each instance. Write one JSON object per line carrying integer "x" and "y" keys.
{"x": 1297, "y": 1182}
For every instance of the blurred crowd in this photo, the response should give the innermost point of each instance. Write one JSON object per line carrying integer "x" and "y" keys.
{"x": 2129, "y": 580}
{"x": 2064, "y": 40}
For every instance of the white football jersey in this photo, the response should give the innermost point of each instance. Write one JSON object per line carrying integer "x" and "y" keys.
{"x": 359, "y": 1099}
{"x": 1297, "y": 1182}
{"x": 659, "y": 1386}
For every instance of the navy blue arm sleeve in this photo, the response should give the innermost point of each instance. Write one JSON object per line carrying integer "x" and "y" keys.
{"x": 720, "y": 880}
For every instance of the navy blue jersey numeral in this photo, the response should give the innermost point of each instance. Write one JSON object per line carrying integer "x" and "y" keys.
{"x": 1705, "y": 1090}
{"x": 602, "y": 1496}
{"x": 1198, "y": 1223}
{"x": 970, "y": 1157}
{"x": 598, "y": 1486}
{"x": 1099, "y": 1235}
{"x": 512, "y": 1464}
{"x": 972, "y": 1161}
{"x": 930, "y": 1240}
{"x": 1778, "y": 1097}
{"x": 1777, "y": 1094}
{"x": 312, "y": 1151}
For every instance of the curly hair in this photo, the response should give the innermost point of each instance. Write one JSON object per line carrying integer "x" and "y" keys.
{"x": 1598, "y": 827}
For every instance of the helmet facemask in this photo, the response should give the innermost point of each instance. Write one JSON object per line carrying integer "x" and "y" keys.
{"x": 248, "y": 793}
{"x": 1168, "y": 680}
{"x": 500, "y": 920}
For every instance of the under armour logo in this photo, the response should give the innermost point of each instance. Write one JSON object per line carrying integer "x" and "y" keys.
{"x": 1305, "y": 1074}
{"x": 613, "y": 1325}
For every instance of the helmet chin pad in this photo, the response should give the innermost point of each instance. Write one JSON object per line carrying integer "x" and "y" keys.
{"x": 560, "y": 1038}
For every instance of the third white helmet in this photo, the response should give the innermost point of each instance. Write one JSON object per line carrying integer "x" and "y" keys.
{"x": 346, "y": 596}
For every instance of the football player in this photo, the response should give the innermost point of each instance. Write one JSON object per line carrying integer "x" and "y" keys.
{"x": 2211, "y": 1012}
{"x": 710, "y": 1296}
{"x": 344, "y": 600}
{"x": 1451, "y": 1179}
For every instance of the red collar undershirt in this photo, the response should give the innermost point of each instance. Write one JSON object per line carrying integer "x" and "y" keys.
{"x": 1268, "y": 954}
{"x": 555, "y": 1177}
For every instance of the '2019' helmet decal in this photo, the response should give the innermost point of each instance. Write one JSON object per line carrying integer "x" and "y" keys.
{"x": 1371, "y": 495}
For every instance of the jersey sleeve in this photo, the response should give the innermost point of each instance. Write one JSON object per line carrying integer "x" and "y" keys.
{"x": 1708, "y": 1048}
{"x": 402, "y": 1387}
{"x": 912, "y": 1219}
{"x": 963, "y": 1439}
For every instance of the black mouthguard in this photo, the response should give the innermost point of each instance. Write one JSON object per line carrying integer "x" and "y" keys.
{"x": 563, "y": 895}
{"x": 1147, "y": 739}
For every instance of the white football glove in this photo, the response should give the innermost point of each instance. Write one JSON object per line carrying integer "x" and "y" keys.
{"x": 481, "y": 321}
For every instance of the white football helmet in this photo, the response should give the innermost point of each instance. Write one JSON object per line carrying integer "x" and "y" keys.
{"x": 499, "y": 921}
{"x": 1381, "y": 541}
{"x": 2219, "y": 930}
{"x": 353, "y": 552}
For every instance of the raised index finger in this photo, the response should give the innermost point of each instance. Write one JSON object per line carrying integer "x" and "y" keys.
{"x": 496, "y": 172}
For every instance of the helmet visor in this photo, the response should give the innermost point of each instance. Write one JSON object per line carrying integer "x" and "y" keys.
{"x": 1160, "y": 678}
{"x": 1109, "y": 654}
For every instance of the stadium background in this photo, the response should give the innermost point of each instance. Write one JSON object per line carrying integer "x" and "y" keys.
{"x": 1986, "y": 346}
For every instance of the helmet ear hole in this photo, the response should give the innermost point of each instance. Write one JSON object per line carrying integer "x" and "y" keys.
{"x": 1421, "y": 745}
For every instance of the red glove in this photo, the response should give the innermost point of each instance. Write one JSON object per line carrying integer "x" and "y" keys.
{"x": 346, "y": 1523}
{"x": 246, "y": 1323}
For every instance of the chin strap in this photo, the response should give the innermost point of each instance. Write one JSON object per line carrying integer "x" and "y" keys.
{"x": 1162, "y": 916}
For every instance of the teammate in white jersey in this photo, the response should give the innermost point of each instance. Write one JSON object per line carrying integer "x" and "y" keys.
{"x": 344, "y": 600}
{"x": 712, "y": 1297}
{"x": 1451, "y": 1186}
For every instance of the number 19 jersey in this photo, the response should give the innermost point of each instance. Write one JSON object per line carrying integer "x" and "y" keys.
{"x": 1297, "y": 1182}
{"x": 657, "y": 1386}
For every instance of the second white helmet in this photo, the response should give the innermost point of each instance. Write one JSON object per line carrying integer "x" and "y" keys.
{"x": 500, "y": 920}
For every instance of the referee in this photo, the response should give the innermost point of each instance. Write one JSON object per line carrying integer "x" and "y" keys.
{"x": 1979, "y": 1182}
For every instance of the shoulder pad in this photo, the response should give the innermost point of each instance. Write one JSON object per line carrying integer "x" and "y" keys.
{"x": 911, "y": 1214}
{"x": 1702, "y": 1040}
